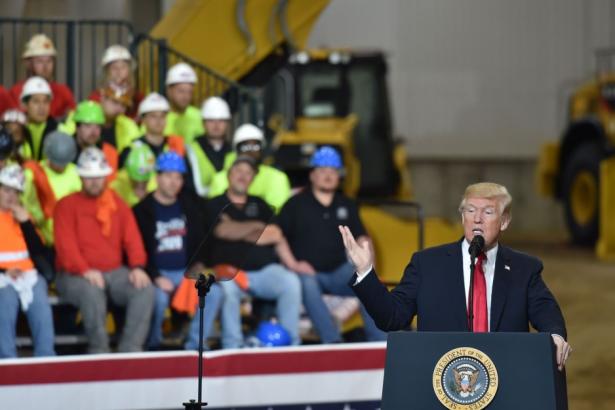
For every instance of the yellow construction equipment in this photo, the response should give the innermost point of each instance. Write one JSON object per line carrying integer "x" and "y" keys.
{"x": 579, "y": 169}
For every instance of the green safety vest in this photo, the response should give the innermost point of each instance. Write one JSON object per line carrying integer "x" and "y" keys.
{"x": 123, "y": 187}
{"x": 188, "y": 124}
{"x": 36, "y": 132}
{"x": 126, "y": 130}
{"x": 202, "y": 168}
{"x": 270, "y": 184}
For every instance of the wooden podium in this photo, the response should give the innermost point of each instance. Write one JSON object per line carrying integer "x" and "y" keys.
{"x": 433, "y": 370}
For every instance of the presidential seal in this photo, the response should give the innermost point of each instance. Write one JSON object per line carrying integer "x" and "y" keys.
{"x": 465, "y": 379}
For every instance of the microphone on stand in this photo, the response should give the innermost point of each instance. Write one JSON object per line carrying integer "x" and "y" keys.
{"x": 476, "y": 247}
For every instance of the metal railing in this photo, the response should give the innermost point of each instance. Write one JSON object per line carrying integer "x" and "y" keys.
{"x": 80, "y": 45}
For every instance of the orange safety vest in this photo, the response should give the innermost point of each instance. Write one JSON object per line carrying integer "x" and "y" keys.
{"x": 112, "y": 157}
{"x": 13, "y": 249}
{"x": 176, "y": 143}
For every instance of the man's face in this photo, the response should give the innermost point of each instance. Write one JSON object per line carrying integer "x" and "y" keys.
{"x": 325, "y": 179}
{"x": 251, "y": 148}
{"x": 112, "y": 108}
{"x": 483, "y": 216}
{"x": 180, "y": 95}
{"x": 9, "y": 197}
{"x": 170, "y": 184}
{"x": 240, "y": 177}
{"x": 16, "y": 131}
{"x": 42, "y": 66}
{"x": 88, "y": 134}
{"x": 155, "y": 122}
{"x": 216, "y": 129}
{"x": 93, "y": 186}
{"x": 37, "y": 108}
{"x": 118, "y": 72}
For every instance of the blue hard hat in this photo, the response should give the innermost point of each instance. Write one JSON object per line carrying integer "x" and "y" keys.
{"x": 170, "y": 161}
{"x": 326, "y": 156}
{"x": 272, "y": 334}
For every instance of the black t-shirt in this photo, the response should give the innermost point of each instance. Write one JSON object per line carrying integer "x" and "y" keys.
{"x": 312, "y": 228}
{"x": 240, "y": 253}
{"x": 170, "y": 236}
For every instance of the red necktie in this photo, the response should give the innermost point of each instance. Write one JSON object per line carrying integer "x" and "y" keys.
{"x": 480, "y": 323}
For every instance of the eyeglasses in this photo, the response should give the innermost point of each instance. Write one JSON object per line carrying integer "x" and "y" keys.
{"x": 253, "y": 147}
{"x": 488, "y": 212}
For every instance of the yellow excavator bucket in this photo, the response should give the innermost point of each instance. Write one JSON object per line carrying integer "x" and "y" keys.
{"x": 232, "y": 37}
{"x": 605, "y": 247}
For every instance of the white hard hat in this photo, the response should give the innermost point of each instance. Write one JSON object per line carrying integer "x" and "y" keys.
{"x": 153, "y": 102}
{"x": 12, "y": 177}
{"x": 39, "y": 45}
{"x": 93, "y": 164}
{"x": 35, "y": 85}
{"x": 14, "y": 116}
{"x": 247, "y": 132}
{"x": 215, "y": 108}
{"x": 116, "y": 52}
{"x": 181, "y": 73}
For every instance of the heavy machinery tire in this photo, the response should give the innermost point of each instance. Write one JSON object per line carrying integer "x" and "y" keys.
{"x": 581, "y": 193}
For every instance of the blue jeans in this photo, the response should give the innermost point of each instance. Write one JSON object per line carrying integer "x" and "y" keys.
{"x": 213, "y": 302}
{"x": 272, "y": 282}
{"x": 38, "y": 315}
{"x": 333, "y": 283}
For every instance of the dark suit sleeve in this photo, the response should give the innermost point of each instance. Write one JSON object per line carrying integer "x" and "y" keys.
{"x": 392, "y": 310}
{"x": 543, "y": 311}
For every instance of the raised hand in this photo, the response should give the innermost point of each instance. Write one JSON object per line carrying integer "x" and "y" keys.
{"x": 360, "y": 255}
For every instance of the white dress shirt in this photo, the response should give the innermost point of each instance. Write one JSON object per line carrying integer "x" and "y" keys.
{"x": 488, "y": 269}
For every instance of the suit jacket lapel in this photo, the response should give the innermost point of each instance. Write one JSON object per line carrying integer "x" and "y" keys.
{"x": 458, "y": 291}
{"x": 500, "y": 287}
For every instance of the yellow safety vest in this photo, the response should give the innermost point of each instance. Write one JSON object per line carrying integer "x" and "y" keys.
{"x": 202, "y": 168}
{"x": 123, "y": 187}
{"x": 188, "y": 124}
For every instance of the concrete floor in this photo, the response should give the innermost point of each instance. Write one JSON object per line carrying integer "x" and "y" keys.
{"x": 585, "y": 289}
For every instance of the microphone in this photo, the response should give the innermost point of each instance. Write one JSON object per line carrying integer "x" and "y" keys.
{"x": 476, "y": 246}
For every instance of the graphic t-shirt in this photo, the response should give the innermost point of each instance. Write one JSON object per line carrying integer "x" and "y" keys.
{"x": 170, "y": 236}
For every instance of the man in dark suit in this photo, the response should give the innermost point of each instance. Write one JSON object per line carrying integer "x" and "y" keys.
{"x": 509, "y": 293}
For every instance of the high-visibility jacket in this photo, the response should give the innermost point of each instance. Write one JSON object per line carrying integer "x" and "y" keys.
{"x": 50, "y": 186}
{"x": 170, "y": 143}
{"x": 203, "y": 170}
{"x": 38, "y": 133}
{"x": 121, "y": 135}
{"x": 269, "y": 184}
{"x": 188, "y": 124}
{"x": 13, "y": 248}
{"x": 122, "y": 186}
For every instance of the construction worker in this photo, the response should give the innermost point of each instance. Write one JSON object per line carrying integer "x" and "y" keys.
{"x": 211, "y": 153}
{"x": 137, "y": 178}
{"x": 183, "y": 119}
{"x": 173, "y": 228}
{"x": 21, "y": 258}
{"x": 54, "y": 178}
{"x": 35, "y": 101}
{"x": 100, "y": 255}
{"x": 89, "y": 119}
{"x": 118, "y": 65}
{"x": 309, "y": 221}
{"x": 14, "y": 122}
{"x": 39, "y": 59}
{"x": 7, "y": 147}
{"x": 270, "y": 184}
{"x": 119, "y": 129}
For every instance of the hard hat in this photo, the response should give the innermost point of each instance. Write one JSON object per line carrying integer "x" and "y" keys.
{"x": 247, "y": 132}
{"x": 6, "y": 143}
{"x": 93, "y": 164}
{"x": 140, "y": 162}
{"x": 14, "y": 116}
{"x": 326, "y": 156}
{"x": 12, "y": 177}
{"x": 153, "y": 102}
{"x": 271, "y": 333}
{"x": 60, "y": 148}
{"x": 215, "y": 108}
{"x": 89, "y": 112}
{"x": 35, "y": 85}
{"x": 170, "y": 161}
{"x": 39, "y": 45}
{"x": 116, "y": 52}
{"x": 181, "y": 73}
{"x": 121, "y": 95}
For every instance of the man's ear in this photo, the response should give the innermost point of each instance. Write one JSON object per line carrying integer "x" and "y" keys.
{"x": 505, "y": 221}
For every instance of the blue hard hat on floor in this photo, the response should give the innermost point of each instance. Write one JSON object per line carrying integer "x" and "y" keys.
{"x": 326, "y": 156}
{"x": 271, "y": 333}
{"x": 170, "y": 161}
